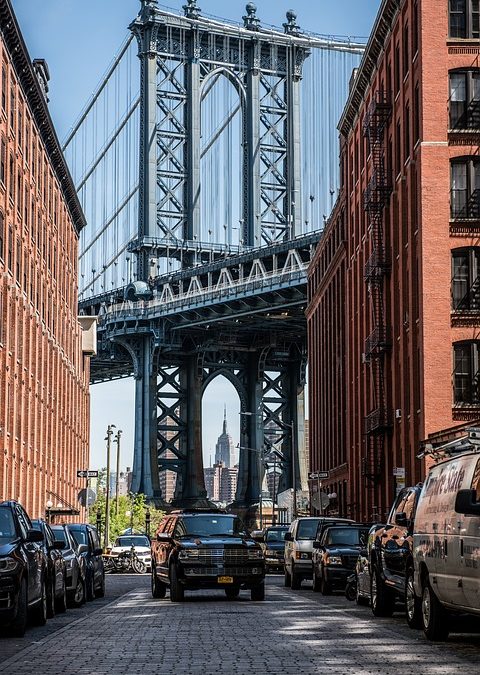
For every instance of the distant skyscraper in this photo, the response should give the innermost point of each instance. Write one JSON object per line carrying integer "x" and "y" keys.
{"x": 225, "y": 450}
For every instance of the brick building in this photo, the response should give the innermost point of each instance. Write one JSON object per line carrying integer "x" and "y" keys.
{"x": 221, "y": 482}
{"x": 394, "y": 307}
{"x": 44, "y": 373}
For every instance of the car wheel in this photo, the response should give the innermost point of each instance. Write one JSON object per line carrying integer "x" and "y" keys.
{"x": 100, "y": 592}
{"x": 51, "y": 600}
{"x": 413, "y": 604}
{"x": 61, "y": 601}
{"x": 79, "y": 593}
{"x": 434, "y": 617}
{"x": 296, "y": 580}
{"x": 159, "y": 589}
{"x": 258, "y": 592}
{"x": 18, "y": 625}
{"x": 232, "y": 592}
{"x": 382, "y": 598}
{"x": 288, "y": 578}
{"x": 177, "y": 592}
{"x": 90, "y": 588}
{"x": 361, "y": 599}
{"x": 316, "y": 582}
{"x": 39, "y": 613}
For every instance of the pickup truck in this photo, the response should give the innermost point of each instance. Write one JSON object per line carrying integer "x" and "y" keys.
{"x": 391, "y": 560}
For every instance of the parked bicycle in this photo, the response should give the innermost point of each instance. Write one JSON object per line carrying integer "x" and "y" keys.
{"x": 127, "y": 561}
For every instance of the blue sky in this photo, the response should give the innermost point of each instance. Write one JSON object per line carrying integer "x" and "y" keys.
{"x": 79, "y": 39}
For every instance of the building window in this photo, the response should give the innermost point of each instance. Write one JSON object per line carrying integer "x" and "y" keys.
{"x": 466, "y": 279}
{"x": 10, "y": 248}
{"x": 406, "y": 50}
{"x": 2, "y": 235}
{"x": 464, "y": 18}
{"x": 416, "y": 115}
{"x": 3, "y": 159}
{"x": 12, "y": 109}
{"x": 407, "y": 131}
{"x": 396, "y": 66}
{"x": 465, "y": 188}
{"x": 11, "y": 178}
{"x": 465, "y": 99}
{"x": 415, "y": 29}
{"x": 466, "y": 373}
{"x": 4, "y": 88}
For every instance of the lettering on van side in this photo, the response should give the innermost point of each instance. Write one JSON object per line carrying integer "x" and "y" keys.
{"x": 449, "y": 480}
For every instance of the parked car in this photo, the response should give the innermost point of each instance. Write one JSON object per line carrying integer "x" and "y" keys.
{"x": 273, "y": 545}
{"x": 335, "y": 556}
{"x": 391, "y": 559}
{"x": 88, "y": 546}
{"x": 196, "y": 550}
{"x": 362, "y": 570}
{"x": 23, "y": 569}
{"x": 75, "y": 566}
{"x": 299, "y": 547}
{"x": 56, "y": 569}
{"x": 446, "y": 543}
{"x": 141, "y": 545}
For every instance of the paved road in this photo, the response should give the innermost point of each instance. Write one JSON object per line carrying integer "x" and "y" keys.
{"x": 291, "y": 632}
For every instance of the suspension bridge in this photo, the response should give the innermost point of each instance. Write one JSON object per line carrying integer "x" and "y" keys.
{"x": 206, "y": 163}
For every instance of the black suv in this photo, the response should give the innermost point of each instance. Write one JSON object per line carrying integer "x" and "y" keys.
{"x": 391, "y": 559}
{"x": 335, "y": 556}
{"x": 22, "y": 570}
{"x": 194, "y": 550}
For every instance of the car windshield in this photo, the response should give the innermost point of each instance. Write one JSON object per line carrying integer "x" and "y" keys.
{"x": 210, "y": 526}
{"x": 80, "y": 536}
{"x": 348, "y": 536}
{"x": 7, "y": 526}
{"x": 275, "y": 535}
{"x": 132, "y": 541}
{"x": 307, "y": 529}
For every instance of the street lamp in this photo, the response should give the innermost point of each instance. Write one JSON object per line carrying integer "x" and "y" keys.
{"x": 117, "y": 475}
{"x": 48, "y": 506}
{"x": 108, "y": 438}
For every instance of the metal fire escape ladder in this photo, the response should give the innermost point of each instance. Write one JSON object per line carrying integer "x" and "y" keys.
{"x": 375, "y": 198}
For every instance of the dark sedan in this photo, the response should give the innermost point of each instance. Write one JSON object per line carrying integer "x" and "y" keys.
{"x": 335, "y": 556}
{"x": 88, "y": 546}
{"x": 56, "y": 569}
{"x": 75, "y": 566}
{"x": 22, "y": 570}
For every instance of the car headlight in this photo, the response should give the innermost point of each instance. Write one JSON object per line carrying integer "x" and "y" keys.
{"x": 255, "y": 554}
{"x": 300, "y": 555}
{"x": 188, "y": 554}
{"x": 333, "y": 560}
{"x": 8, "y": 565}
{"x": 270, "y": 552}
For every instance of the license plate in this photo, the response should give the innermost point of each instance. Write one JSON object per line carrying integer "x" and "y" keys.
{"x": 225, "y": 580}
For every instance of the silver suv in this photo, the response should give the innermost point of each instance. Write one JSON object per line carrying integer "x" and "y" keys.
{"x": 299, "y": 547}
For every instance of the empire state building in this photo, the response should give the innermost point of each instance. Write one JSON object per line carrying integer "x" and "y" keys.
{"x": 224, "y": 450}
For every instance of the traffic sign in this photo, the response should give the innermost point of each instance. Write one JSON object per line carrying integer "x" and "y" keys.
{"x": 87, "y": 474}
{"x": 317, "y": 475}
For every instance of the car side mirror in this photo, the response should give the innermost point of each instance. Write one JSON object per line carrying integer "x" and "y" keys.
{"x": 164, "y": 537}
{"x": 401, "y": 519}
{"x": 83, "y": 548}
{"x": 34, "y": 536}
{"x": 317, "y": 544}
{"x": 466, "y": 503}
{"x": 288, "y": 536}
{"x": 58, "y": 545}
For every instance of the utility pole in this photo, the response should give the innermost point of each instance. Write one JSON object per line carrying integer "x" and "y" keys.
{"x": 107, "y": 489}
{"x": 294, "y": 471}
{"x": 117, "y": 475}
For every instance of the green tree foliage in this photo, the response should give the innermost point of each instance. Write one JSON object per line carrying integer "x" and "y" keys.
{"x": 134, "y": 505}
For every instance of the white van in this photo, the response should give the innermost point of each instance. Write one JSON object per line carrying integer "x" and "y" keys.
{"x": 446, "y": 543}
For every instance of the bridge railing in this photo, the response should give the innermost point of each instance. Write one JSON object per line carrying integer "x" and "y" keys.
{"x": 205, "y": 296}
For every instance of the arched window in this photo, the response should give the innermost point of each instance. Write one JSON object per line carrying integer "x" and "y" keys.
{"x": 466, "y": 278}
{"x": 466, "y": 375}
{"x": 464, "y": 18}
{"x": 465, "y": 99}
{"x": 465, "y": 188}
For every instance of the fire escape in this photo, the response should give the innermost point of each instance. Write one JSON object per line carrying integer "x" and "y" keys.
{"x": 379, "y": 421}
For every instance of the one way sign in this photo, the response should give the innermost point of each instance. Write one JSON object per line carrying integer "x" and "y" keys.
{"x": 87, "y": 474}
{"x": 317, "y": 475}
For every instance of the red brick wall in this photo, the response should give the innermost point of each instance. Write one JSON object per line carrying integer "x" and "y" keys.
{"x": 419, "y": 238}
{"x": 43, "y": 374}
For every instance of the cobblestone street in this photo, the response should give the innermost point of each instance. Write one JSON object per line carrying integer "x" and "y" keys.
{"x": 291, "y": 632}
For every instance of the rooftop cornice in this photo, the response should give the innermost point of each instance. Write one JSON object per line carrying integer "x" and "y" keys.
{"x": 382, "y": 28}
{"x": 22, "y": 63}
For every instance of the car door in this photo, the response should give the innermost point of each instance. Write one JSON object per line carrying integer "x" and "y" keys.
{"x": 33, "y": 554}
{"x": 97, "y": 560}
{"x": 470, "y": 551}
{"x": 392, "y": 543}
{"x": 163, "y": 548}
{"x": 56, "y": 557}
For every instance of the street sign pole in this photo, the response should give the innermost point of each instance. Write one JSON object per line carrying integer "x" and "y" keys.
{"x": 319, "y": 485}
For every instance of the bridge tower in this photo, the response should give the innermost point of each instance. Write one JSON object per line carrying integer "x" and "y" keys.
{"x": 182, "y": 57}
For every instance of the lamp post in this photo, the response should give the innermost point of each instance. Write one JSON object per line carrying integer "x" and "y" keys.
{"x": 294, "y": 471}
{"x": 117, "y": 475}
{"x": 147, "y": 522}
{"x": 108, "y": 438}
{"x": 48, "y": 506}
